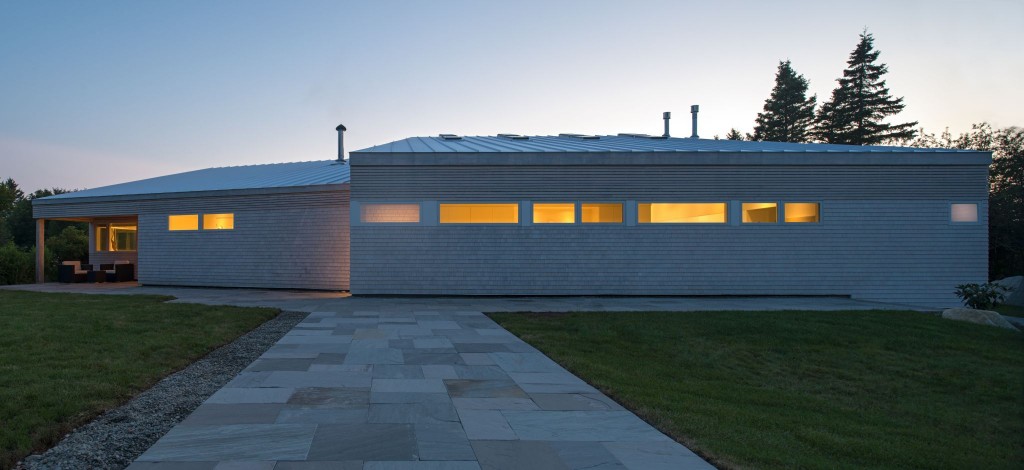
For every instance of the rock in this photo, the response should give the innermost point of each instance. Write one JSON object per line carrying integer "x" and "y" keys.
{"x": 981, "y": 317}
{"x": 1014, "y": 290}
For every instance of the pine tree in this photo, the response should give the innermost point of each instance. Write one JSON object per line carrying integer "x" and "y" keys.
{"x": 733, "y": 135}
{"x": 858, "y": 106}
{"x": 788, "y": 113}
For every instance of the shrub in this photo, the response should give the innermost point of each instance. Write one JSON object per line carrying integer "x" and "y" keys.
{"x": 16, "y": 265}
{"x": 981, "y": 296}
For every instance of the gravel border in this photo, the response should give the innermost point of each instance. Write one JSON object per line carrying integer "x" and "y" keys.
{"x": 116, "y": 438}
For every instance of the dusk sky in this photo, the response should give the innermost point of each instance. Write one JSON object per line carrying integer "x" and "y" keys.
{"x": 96, "y": 93}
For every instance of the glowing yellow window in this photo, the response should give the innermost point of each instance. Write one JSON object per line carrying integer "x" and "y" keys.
{"x": 183, "y": 222}
{"x": 760, "y": 212}
{"x": 554, "y": 213}
{"x": 601, "y": 213}
{"x": 682, "y": 213}
{"x": 389, "y": 213}
{"x": 218, "y": 221}
{"x": 802, "y": 212}
{"x": 480, "y": 213}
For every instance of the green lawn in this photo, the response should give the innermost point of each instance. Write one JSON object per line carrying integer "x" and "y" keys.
{"x": 65, "y": 358}
{"x": 1010, "y": 310}
{"x": 859, "y": 389}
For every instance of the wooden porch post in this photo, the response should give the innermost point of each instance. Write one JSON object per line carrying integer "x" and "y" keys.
{"x": 40, "y": 251}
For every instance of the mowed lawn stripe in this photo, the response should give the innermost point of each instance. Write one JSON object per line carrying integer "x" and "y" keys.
{"x": 65, "y": 358}
{"x": 855, "y": 389}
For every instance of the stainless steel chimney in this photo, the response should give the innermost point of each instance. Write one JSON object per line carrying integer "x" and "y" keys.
{"x": 693, "y": 110}
{"x": 341, "y": 142}
{"x": 666, "y": 116}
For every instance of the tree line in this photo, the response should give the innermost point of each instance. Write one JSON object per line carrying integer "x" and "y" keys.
{"x": 67, "y": 241}
{"x": 855, "y": 114}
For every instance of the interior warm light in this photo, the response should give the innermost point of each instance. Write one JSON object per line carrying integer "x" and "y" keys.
{"x": 802, "y": 212}
{"x": 760, "y": 212}
{"x": 601, "y": 213}
{"x": 554, "y": 213}
{"x": 682, "y": 213}
{"x": 480, "y": 213}
{"x": 183, "y": 222}
{"x": 123, "y": 237}
{"x": 963, "y": 212}
{"x": 218, "y": 221}
{"x": 389, "y": 213}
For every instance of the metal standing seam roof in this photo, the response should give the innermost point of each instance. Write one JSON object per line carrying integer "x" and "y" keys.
{"x": 273, "y": 175}
{"x": 615, "y": 143}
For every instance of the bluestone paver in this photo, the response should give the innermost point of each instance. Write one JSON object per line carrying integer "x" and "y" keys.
{"x": 414, "y": 384}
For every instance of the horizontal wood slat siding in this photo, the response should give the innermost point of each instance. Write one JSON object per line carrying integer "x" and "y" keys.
{"x": 290, "y": 240}
{"x": 885, "y": 233}
{"x": 632, "y": 182}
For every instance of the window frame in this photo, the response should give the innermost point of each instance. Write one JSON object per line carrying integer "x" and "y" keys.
{"x": 202, "y": 222}
{"x": 779, "y": 215}
{"x": 622, "y": 212}
{"x": 576, "y": 215}
{"x": 519, "y": 214}
{"x": 782, "y": 212}
{"x": 726, "y": 222}
{"x": 949, "y": 212}
{"x": 358, "y": 212}
{"x": 199, "y": 224}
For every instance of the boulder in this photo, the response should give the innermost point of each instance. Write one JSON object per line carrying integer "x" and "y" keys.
{"x": 981, "y": 317}
{"x": 1014, "y": 290}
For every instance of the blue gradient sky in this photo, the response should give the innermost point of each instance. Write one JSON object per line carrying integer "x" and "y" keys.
{"x": 95, "y": 93}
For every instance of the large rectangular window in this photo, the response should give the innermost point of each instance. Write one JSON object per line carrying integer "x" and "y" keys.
{"x": 601, "y": 213}
{"x": 963, "y": 213}
{"x": 760, "y": 212}
{"x": 183, "y": 222}
{"x": 802, "y": 212}
{"x": 218, "y": 221}
{"x": 554, "y": 213}
{"x": 507, "y": 213}
{"x": 389, "y": 213}
{"x": 117, "y": 237}
{"x": 682, "y": 213}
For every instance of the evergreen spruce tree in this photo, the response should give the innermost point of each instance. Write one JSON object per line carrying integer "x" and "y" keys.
{"x": 788, "y": 113}
{"x": 733, "y": 135}
{"x": 858, "y": 106}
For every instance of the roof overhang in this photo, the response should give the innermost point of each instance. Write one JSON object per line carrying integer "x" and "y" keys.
{"x": 194, "y": 194}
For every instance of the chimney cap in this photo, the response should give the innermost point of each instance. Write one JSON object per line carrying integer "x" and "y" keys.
{"x": 341, "y": 127}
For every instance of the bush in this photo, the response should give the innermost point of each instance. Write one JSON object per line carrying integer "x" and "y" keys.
{"x": 16, "y": 265}
{"x": 981, "y": 296}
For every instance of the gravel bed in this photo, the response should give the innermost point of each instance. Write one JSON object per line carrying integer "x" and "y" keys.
{"x": 116, "y": 438}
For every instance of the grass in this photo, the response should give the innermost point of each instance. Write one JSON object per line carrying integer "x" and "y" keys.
{"x": 65, "y": 358}
{"x": 782, "y": 390}
{"x": 1010, "y": 310}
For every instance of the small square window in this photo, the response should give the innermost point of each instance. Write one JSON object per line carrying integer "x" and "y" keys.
{"x": 218, "y": 221}
{"x": 760, "y": 212}
{"x": 554, "y": 213}
{"x": 963, "y": 213}
{"x": 802, "y": 213}
{"x": 183, "y": 222}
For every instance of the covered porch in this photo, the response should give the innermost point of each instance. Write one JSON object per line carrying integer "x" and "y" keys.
{"x": 113, "y": 240}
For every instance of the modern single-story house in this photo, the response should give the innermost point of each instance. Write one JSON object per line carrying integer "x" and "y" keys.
{"x": 571, "y": 214}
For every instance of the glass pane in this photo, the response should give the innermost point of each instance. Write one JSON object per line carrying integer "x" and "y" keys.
{"x": 554, "y": 213}
{"x": 218, "y": 221}
{"x": 102, "y": 238}
{"x": 682, "y": 213}
{"x": 760, "y": 212}
{"x": 123, "y": 237}
{"x": 594, "y": 213}
{"x": 183, "y": 222}
{"x": 802, "y": 212}
{"x": 389, "y": 213}
{"x": 964, "y": 212}
{"x": 480, "y": 213}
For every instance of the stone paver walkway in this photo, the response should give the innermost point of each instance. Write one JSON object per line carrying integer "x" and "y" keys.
{"x": 419, "y": 383}
{"x": 410, "y": 389}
